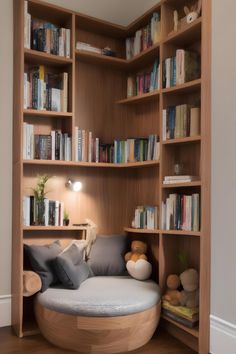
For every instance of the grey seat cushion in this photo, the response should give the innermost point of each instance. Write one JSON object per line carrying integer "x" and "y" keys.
{"x": 103, "y": 297}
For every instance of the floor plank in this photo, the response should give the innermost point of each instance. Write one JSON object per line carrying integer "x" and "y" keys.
{"x": 162, "y": 343}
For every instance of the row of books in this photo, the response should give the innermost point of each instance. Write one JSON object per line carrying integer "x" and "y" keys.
{"x": 51, "y": 212}
{"x": 146, "y": 217}
{"x": 183, "y": 315}
{"x": 145, "y": 37}
{"x": 90, "y": 149}
{"x": 45, "y": 91}
{"x": 181, "y": 212}
{"x": 45, "y": 36}
{"x": 145, "y": 82}
{"x": 183, "y": 67}
{"x": 180, "y": 121}
{"x": 180, "y": 179}
{"x": 54, "y": 146}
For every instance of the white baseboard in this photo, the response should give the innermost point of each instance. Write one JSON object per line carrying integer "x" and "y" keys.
{"x": 5, "y": 310}
{"x": 223, "y": 336}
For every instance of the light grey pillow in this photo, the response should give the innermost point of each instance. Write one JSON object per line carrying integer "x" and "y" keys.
{"x": 70, "y": 267}
{"x": 107, "y": 255}
{"x": 41, "y": 260}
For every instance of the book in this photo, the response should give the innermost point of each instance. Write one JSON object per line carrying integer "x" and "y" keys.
{"x": 145, "y": 217}
{"x": 185, "y": 322}
{"x": 181, "y": 212}
{"x": 27, "y": 26}
{"x": 182, "y": 311}
{"x": 179, "y": 179}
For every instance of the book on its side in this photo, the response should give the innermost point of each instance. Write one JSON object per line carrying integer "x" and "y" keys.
{"x": 181, "y": 320}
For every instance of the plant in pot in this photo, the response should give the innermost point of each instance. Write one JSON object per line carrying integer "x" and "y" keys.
{"x": 66, "y": 219}
{"x": 39, "y": 195}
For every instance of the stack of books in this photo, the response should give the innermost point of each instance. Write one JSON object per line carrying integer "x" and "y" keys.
{"x": 144, "y": 38}
{"x": 181, "y": 212}
{"x": 45, "y": 36}
{"x": 88, "y": 48}
{"x": 54, "y": 146}
{"x": 146, "y": 217}
{"x": 137, "y": 150}
{"x": 179, "y": 179}
{"x": 183, "y": 315}
{"x": 180, "y": 122}
{"x": 144, "y": 82}
{"x": 53, "y": 212}
{"x": 183, "y": 67}
{"x": 45, "y": 91}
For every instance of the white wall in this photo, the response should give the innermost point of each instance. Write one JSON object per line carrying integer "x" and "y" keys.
{"x": 6, "y": 77}
{"x": 223, "y": 283}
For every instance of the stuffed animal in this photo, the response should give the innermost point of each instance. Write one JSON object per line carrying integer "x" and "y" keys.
{"x": 189, "y": 297}
{"x": 194, "y": 12}
{"x": 136, "y": 261}
{"x": 172, "y": 294}
{"x": 138, "y": 251}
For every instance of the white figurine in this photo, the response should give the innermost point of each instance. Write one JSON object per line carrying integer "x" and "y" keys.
{"x": 194, "y": 12}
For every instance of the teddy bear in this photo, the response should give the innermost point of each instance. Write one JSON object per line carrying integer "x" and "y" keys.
{"x": 189, "y": 296}
{"x": 172, "y": 294}
{"x": 138, "y": 251}
{"x": 136, "y": 261}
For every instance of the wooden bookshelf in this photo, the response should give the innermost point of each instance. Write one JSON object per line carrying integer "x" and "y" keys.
{"x": 98, "y": 102}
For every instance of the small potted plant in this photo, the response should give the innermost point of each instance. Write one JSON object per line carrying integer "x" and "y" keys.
{"x": 66, "y": 219}
{"x": 39, "y": 195}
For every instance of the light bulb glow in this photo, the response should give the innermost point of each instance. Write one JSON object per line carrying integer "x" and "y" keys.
{"x": 77, "y": 186}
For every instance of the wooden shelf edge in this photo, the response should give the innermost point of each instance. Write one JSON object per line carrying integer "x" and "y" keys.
{"x": 141, "y": 231}
{"x": 101, "y": 59}
{"x": 191, "y": 84}
{"x": 91, "y": 164}
{"x": 181, "y": 233}
{"x": 140, "y": 98}
{"x": 55, "y": 59}
{"x": 35, "y": 112}
{"x": 194, "y": 332}
{"x": 188, "y": 139}
{"x": 54, "y": 228}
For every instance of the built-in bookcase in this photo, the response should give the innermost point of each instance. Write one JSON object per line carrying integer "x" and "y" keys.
{"x": 97, "y": 102}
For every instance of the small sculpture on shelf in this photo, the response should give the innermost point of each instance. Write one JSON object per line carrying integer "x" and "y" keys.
{"x": 192, "y": 14}
{"x": 66, "y": 218}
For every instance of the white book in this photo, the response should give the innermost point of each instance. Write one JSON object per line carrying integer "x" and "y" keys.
{"x": 56, "y": 100}
{"x": 24, "y": 141}
{"x": 137, "y": 218}
{"x": 46, "y": 215}
{"x": 137, "y": 42}
{"x": 168, "y": 65}
{"x": 53, "y": 137}
{"x": 31, "y": 142}
{"x": 76, "y": 143}
{"x": 67, "y": 44}
{"x": 26, "y": 211}
{"x": 90, "y": 147}
{"x": 97, "y": 150}
{"x": 156, "y": 155}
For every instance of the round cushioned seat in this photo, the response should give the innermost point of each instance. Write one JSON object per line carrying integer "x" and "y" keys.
{"x": 103, "y": 296}
{"x": 105, "y": 315}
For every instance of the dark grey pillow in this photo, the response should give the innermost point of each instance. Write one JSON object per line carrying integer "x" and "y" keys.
{"x": 107, "y": 255}
{"x": 41, "y": 260}
{"x": 70, "y": 267}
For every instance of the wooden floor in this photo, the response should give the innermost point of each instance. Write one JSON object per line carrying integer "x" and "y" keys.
{"x": 162, "y": 343}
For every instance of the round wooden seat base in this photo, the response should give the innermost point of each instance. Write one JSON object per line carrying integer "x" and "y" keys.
{"x": 104, "y": 335}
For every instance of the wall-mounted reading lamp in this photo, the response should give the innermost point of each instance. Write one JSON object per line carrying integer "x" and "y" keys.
{"x": 74, "y": 186}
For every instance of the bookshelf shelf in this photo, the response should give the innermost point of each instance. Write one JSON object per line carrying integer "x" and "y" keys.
{"x": 182, "y": 185}
{"x": 99, "y": 59}
{"x": 91, "y": 164}
{"x": 140, "y": 231}
{"x": 187, "y": 35}
{"x": 141, "y": 98}
{"x": 54, "y": 228}
{"x": 108, "y": 114}
{"x": 187, "y": 140}
{"x": 38, "y": 113}
{"x": 194, "y": 332}
{"x": 181, "y": 233}
{"x": 188, "y": 87}
{"x": 36, "y": 57}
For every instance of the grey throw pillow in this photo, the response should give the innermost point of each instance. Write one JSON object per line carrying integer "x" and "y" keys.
{"x": 107, "y": 255}
{"x": 41, "y": 260}
{"x": 70, "y": 267}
